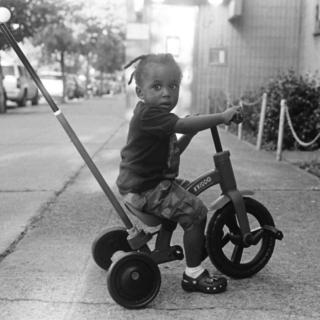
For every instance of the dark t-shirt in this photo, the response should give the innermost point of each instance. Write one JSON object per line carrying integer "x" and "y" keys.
{"x": 151, "y": 153}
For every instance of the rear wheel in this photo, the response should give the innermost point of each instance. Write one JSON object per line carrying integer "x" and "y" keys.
{"x": 107, "y": 243}
{"x": 134, "y": 280}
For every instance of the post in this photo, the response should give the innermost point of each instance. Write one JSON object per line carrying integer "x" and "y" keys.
{"x": 240, "y": 124}
{"x": 226, "y": 127}
{"x": 261, "y": 121}
{"x": 281, "y": 128}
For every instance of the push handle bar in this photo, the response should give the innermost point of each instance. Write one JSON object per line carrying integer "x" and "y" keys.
{"x": 4, "y": 17}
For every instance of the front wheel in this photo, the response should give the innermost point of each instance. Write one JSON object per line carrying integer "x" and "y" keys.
{"x": 224, "y": 244}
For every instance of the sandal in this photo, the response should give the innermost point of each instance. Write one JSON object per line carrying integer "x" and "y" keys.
{"x": 204, "y": 283}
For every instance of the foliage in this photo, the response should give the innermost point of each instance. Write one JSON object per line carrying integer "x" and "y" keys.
{"x": 27, "y": 17}
{"x": 303, "y": 97}
{"x": 70, "y": 33}
{"x": 110, "y": 53}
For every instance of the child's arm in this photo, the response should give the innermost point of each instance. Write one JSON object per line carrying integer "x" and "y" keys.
{"x": 184, "y": 141}
{"x": 192, "y": 124}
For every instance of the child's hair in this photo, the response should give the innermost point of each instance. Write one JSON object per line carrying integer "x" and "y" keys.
{"x": 162, "y": 58}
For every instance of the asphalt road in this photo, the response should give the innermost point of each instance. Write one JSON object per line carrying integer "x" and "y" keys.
{"x": 50, "y": 274}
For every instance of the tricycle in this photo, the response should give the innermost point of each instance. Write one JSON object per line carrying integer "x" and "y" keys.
{"x": 240, "y": 236}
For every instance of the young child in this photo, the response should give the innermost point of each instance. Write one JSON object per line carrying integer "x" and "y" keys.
{"x": 150, "y": 161}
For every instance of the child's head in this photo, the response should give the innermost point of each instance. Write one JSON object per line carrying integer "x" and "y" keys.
{"x": 157, "y": 78}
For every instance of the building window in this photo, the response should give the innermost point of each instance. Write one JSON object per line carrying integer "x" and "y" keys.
{"x": 217, "y": 56}
{"x": 317, "y": 21}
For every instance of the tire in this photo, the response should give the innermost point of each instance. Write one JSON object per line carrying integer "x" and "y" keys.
{"x": 107, "y": 243}
{"x": 3, "y": 103}
{"x": 134, "y": 280}
{"x": 23, "y": 101}
{"x": 227, "y": 252}
{"x": 35, "y": 99}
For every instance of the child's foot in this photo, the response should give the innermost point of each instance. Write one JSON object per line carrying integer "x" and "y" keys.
{"x": 204, "y": 283}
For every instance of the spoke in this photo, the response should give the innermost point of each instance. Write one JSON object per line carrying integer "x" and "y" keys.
{"x": 225, "y": 240}
{"x": 256, "y": 230}
{"x": 237, "y": 254}
{"x": 232, "y": 223}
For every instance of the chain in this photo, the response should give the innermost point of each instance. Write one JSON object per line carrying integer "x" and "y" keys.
{"x": 250, "y": 104}
{"x": 304, "y": 144}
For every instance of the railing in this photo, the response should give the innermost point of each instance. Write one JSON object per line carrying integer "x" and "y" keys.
{"x": 284, "y": 114}
{"x": 263, "y": 101}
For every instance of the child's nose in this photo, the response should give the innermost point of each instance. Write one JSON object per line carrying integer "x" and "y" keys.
{"x": 165, "y": 91}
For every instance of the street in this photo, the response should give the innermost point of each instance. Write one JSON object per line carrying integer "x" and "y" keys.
{"x": 52, "y": 209}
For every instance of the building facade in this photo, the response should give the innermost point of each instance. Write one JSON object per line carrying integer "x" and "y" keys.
{"x": 236, "y": 46}
{"x": 241, "y": 44}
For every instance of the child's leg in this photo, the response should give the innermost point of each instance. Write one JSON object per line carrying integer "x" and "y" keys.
{"x": 194, "y": 238}
{"x": 169, "y": 200}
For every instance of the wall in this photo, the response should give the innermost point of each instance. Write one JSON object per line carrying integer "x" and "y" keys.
{"x": 309, "y": 42}
{"x": 261, "y": 42}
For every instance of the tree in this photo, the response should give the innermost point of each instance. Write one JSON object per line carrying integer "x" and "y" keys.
{"x": 58, "y": 40}
{"x": 87, "y": 43}
{"x": 27, "y": 18}
{"x": 57, "y": 37}
{"x": 103, "y": 35}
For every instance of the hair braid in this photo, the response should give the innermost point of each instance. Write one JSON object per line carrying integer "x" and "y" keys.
{"x": 148, "y": 58}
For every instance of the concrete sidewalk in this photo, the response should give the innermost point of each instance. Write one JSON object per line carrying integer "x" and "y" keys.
{"x": 287, "y": 288}
{"x": 37, "y": 159}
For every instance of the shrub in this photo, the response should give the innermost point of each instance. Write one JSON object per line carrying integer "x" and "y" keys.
{"x": 303, "y": 96}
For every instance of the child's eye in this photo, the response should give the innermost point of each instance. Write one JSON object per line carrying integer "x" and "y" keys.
{"x": 156, "y": 86}
{"x": 174, "y": 86}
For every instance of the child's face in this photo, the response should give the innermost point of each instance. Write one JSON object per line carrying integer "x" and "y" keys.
{"x": 160, "y": 85}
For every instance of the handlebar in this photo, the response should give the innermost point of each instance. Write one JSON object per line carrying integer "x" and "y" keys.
{"x": 237, "y": 118}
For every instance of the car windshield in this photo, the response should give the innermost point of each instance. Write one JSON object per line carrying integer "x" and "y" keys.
{"x": 8, "y": 70}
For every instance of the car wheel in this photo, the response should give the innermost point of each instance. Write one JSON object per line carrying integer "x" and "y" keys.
{"x": 35, "y": 100}
{"x": 23, "y": 101}
{"x": 3, "y": 104}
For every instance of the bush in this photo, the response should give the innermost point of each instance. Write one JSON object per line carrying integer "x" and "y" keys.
{"x": 303, "y": 96}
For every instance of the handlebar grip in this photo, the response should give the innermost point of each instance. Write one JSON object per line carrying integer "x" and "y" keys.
{"x": 237, "y": 118}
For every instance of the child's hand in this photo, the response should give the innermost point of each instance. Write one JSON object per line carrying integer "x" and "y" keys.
{"x": 233, "y": 114}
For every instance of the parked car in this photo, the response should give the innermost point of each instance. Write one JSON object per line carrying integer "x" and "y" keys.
{"x": 18, "y": 84}
{"x": 53, "y": 82}
{"x": 74, "y": 87}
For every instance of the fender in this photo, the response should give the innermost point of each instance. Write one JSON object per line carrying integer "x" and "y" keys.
{"x": 224, "y": 199}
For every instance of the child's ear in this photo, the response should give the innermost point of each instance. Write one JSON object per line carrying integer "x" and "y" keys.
{"x": 139, "y": 93}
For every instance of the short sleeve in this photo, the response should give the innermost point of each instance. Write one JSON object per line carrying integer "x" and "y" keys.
{"x": 158, "y": 121}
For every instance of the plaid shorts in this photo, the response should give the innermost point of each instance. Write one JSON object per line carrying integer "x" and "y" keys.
{"x": 169, "y": 200}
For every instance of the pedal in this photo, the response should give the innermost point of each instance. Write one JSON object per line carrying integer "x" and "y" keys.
{"x": 166, "y": 255}
{"x": 274, "y": 231}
